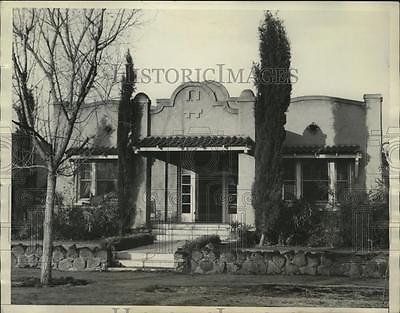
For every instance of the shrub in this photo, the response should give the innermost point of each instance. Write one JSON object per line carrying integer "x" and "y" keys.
{"x": 297, "y": 222}
{"x": 94, "y": 221}
{"x": 200, "y": 242}
{"x": 362, "y": 214}
{"x": 247, "y": 234}
{"x": 31, "y": 227}
{"x": 126, "y": 242}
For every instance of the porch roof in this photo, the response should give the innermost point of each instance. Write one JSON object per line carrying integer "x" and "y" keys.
{"x": 335, "y": 150}
{"x": 168, "y": 143}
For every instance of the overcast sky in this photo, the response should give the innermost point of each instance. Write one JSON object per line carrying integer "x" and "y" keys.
{"x": 341, "y": 53}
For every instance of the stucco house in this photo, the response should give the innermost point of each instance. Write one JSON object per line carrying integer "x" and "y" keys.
{"x": 197, "y": 148}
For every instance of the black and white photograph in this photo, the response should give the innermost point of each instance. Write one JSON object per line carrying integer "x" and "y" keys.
{"x": 197, "y": 156}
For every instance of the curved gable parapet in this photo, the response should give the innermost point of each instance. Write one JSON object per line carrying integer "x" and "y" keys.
{"x": 217, "y": 92}
{"x": 327, "y": 99}
{"x": 202, "y": 85}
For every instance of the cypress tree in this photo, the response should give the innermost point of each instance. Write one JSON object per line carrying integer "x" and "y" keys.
{"x": 272, "y": 80}
{"x": 126, "y": 161}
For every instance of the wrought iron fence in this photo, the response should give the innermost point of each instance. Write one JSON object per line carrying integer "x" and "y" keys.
{"x": 369, "y": 231}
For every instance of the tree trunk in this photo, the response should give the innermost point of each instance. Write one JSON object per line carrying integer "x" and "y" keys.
{"x": 262, "y": 239}
{"x": 45, "y": 274}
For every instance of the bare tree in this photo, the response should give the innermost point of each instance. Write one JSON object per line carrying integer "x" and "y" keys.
{"x": 57, "y": 57}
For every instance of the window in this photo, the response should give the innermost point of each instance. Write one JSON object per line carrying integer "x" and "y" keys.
{"x": 85, "y": 180}
{"x": 97, "y": 178}
{"x": 106, "y": 177}
{"x": 232, "y": 198}
{"x": 315, "y": 179}
{"x": 289, "y": 180}
{"x": 186, "y": 196}
{"x": 342, "y": 177}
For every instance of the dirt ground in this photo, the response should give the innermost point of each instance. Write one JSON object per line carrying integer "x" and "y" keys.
{"x": 168, "y": 288}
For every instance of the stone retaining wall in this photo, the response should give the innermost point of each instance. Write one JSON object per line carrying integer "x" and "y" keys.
{"x": 64, "y": 259}
{"x": 211, "y": 260}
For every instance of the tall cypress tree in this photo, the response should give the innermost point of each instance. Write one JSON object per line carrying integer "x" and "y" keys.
{"x": 272, "y": 79}
{"x": 125, "y": 160}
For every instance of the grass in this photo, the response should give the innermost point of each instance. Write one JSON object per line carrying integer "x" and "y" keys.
{"x": 168, "y": 288}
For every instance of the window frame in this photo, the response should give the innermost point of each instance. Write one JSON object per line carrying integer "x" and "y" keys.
{"x": 93, "y": 176}
{"x": 332, "y": 178}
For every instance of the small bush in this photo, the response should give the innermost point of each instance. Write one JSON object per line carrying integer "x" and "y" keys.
{"x": 364, "y": 213}
{"x": 200, "y": 242}
{"x": 247, "y": 234}
{"x": 126, "y": 242}
{"x": 94, "y": 221}
{"x": 297, "y": 222}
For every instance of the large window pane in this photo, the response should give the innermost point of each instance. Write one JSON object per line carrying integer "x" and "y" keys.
{"x": 315, "y": 169}
{"x": 186, "y": 179}
{"x": 84, "y": 189}
{"x": 289, "y": 179}
{"x": 186, "y": 198}
{"x": 185, "y": 208}
{"x": 186, "y": 189}
{"x": 232, "y": 199}
{"x": 342, "y": 178}
{"x": 104, "y": 187}
{"x": 289, "y": 190}
{"x": 85, "y": 177}
{"x": 85, "y": 170}
{"x": 315, "y": 190}
{"x": 315, "y": 180}
{"x": 289, "y": 170}
{"x": 106, "y": 177}
{"x": 106, "y": 170}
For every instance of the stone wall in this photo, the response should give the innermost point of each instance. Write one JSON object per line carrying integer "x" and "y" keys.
{"x": 212, "y": 259}
{"x": 64, "y": 258}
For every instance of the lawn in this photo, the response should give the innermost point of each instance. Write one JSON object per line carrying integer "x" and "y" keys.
{"x": 168, "y": 288}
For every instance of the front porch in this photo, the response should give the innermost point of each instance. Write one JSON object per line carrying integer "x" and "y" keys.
{"x": 194, "y": 184}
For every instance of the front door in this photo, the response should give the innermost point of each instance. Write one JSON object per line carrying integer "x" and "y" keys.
{"x": 188, "y": 196}
{"x": 210, "y": 200}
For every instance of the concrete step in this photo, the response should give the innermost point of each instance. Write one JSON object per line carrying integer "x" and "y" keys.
{"x": 183, "y": 237}
{"x": 190, "y": 233}
{"x": 185, "y": 226}
{"x": 167, "y": 264}
{"x": 142, "y": 256}
{"x": 139, "y": 269}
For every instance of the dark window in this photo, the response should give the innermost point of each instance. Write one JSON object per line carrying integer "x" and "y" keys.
{"x": 106, "y": 177}
{"x": 315, "y": 180}
{"x": 185, "y": 208}
{"x": 85, "y": 178}
{"x": 186, "y": 196}
{"x": 342, "y": 177}
{"x": 289, "y": 180}
{"x": 232, "y": 199}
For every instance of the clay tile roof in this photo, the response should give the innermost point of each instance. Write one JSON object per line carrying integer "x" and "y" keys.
{"x": 195, "y": 141}
{"x": 317, "y": 149}
{"x": 93, "y": 151}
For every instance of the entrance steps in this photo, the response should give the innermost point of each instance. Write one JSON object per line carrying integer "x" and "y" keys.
{"x": 158, "y": 256}
{"x": 190, "y": 231}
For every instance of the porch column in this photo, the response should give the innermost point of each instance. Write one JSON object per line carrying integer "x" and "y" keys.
{"x": 149, "y": 162}
{"x": 298, "y": 179}
{"x": 246, "y": 171}
{"x": 166, "y": 192}
{"x": 225, "y": 197}
{"x": 332, "y": 183}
